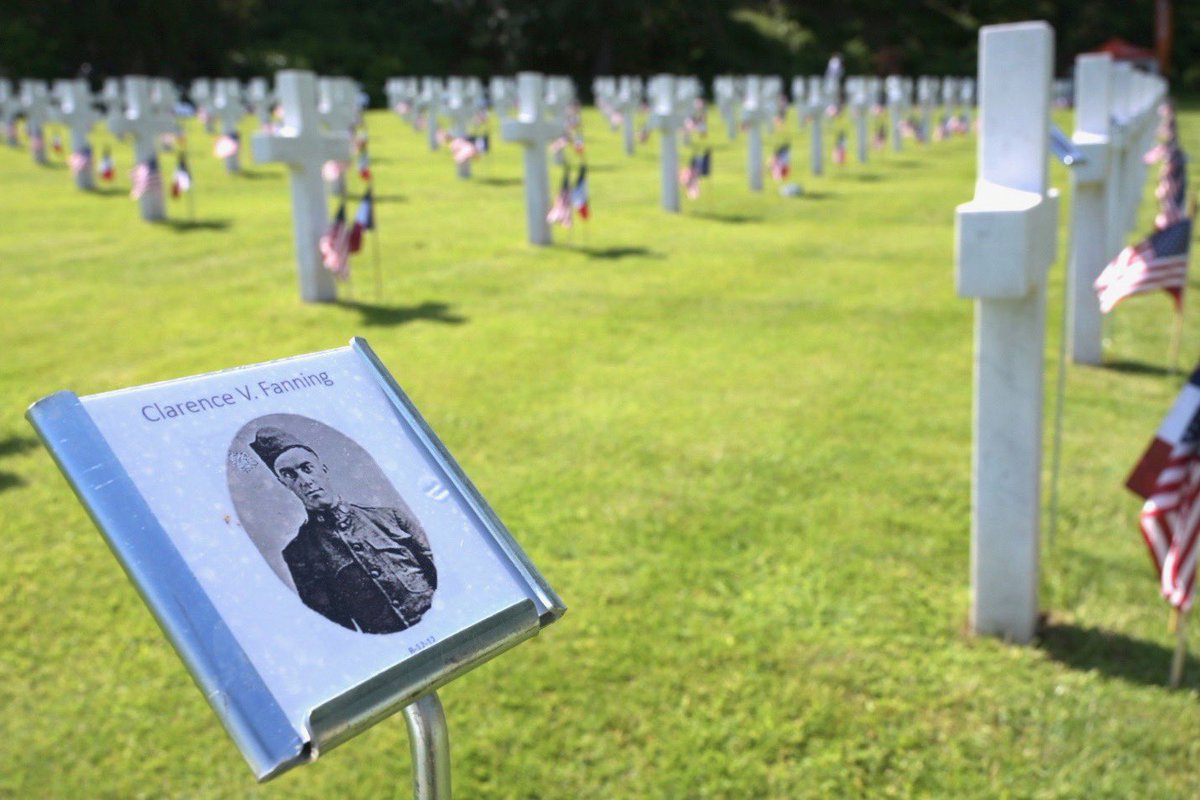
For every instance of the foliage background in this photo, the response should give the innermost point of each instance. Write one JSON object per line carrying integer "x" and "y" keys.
{"x": 372, "y": 40}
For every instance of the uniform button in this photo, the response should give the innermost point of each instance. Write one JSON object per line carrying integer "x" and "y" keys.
{"x": 374, "y": 573}
{"x": 356, "y": 546}
{"x": 395, "y": 604}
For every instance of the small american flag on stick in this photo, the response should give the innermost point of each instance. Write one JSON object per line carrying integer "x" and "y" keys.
{"x": 146, "y": 178}
{"x": 1159, "y": 262}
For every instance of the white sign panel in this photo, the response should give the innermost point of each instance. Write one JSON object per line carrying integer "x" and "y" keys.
{"x": 311, "y": 549}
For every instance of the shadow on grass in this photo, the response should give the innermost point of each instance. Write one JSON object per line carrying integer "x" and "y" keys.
{"x": 867, "y": 177}
{"x": 731, "y": 219}
{"x": 1136, "y": 368}
{"x": 377, "y": 316}
{"x": 905, "y": 163}
{"x": 611, "y": 253}
{"x": 10, "y": 481}
{"x": 14, "y": 445}
{"x": 53, "y": 165}
{"x": 499, "y": 181}
{"x": 815, "y": 196}
{"x": 390, "y": 198}
{"x": 108, "y": 191}
{"x": 257, "y": 175}
{"x": 1113, "y": 654}
{"x": 187, "y": 225}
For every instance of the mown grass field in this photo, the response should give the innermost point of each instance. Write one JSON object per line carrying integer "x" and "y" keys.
{"x": 735, "y": 440}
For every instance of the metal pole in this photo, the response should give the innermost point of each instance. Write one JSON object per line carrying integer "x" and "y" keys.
{"x": 429, "y": 742}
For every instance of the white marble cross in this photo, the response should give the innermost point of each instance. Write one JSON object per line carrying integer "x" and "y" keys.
{"x": 258, "y": 93}
{"x": 428, "y": 101}
{"x": 140, "y": 120}
{"x": 228, "y": 110}
{"x": 856, "y": 92}
{"x": 626, "y": 103}
{"x": 458, "y": 109}
{"x": 926, "y": 97}
{"x": 10, "y": 108}
{"x": 1004, "y": 246}
{"x": 895, "y": 110}
{"x": 726, "y": 96}
{"x": 816, "y": 109}
{"x": 35, "y": 100}
{"x": 201, "y": 95}
{"x": 502, "y": 93}
{"x": 667, "y": 118}
{"x": 754, "y": 116}
{"x": 76, "y": 112}
{"x": 798, "y": 101}
{"x": 112, "y": 95}
{"x": 164, "y": 97}
{"x": 534, "y": 133}
{"x": 300, "y": 145}
{"x": 1090, "y": 249}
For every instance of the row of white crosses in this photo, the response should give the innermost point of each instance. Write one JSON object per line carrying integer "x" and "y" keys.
{"x": 338, "y": 112}
{"x": 1115, "y": 111}
{"x": 1004, "y": 245}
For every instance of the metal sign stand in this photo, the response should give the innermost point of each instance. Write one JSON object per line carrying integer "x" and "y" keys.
{"x": 429, "y": 743}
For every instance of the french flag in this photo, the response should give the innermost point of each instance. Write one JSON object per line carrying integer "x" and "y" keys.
{"x": 1144, "y": 478}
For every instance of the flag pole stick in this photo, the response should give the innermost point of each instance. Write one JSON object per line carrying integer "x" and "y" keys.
{"x": 1176, "y": 337}
{"x": 1178, "y": 626}
{"x": 378, "y": 265}
{"x": 1059, "y": 402}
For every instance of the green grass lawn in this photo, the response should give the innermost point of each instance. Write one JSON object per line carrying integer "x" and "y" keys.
{"x": 735, "y": 440}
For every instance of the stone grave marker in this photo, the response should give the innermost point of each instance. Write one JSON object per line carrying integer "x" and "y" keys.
{"x": 227, "y": 112}
{"x": 35, "y": 102}
{"x": 667, "y": 118}
{"x": 626, "y": 103}
{"x": 300, "y": 144}
{"x": 754, "y": 116}
{"x": 816, "y": 108}
{"x": 1089, "y": 205}
{"x": 1004, "y": 245}
{"x": 856, "y": 93}
{"x": 533, "y": 132}
{"x": 459, "y": 110}
{"x": 145, "y": 125}
{"x": 201, "y": 95}
{"x": 76, "y": 112}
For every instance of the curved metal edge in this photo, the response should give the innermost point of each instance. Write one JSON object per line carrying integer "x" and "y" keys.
{"x": 550, "y": 605}
{"x": 215, "y": 659}
{"x": 374, "y": 700}
{"x": 429, "y": 743}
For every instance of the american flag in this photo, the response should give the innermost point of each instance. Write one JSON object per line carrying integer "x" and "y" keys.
{"x": 146, "y": 178}
{"x": 364, "y": 164}
{"x": 839, "y": 148}
{"x": 561, "y": 211}
{"x": 705, "y": 164}
{"x": 1160, "y": 262}
{"x": 80, "y": 161}
{"x": 689, "y": 178}
{"x": 333, "y": 170}
{"x": 334, "y": 245}
{"x": 781, "y": 162}
{"x": 483, "y": 142}
{"x": 1170, "y": 518}
{"x": 106, "y": 166}
{"x": 364, "y": 220}
{"x": 227, "y": 145}
{"x": 183, "y": 178}
{"x": 463, "y": 149}
{"x": 579, "y": 194}
{"x": 880, "y": 136}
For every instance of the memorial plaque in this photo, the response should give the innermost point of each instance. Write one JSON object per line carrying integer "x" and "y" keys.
{"x": 310, "y": 548}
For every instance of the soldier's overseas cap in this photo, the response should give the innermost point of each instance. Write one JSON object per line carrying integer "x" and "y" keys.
{"x": 270, "y": 443}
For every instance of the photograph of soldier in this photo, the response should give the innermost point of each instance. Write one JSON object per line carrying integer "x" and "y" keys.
{"x": 367, "y": 568}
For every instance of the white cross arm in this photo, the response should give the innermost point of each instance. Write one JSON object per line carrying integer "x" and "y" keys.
{"x": 531, "y": 131}
{"x": 1004, "y": 241}
{"x": 297, "y": 151}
